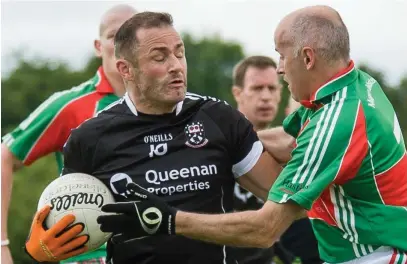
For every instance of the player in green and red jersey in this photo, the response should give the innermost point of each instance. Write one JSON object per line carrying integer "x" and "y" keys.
{"x": 46, "y": 130}
{"x": 348, "y": 169}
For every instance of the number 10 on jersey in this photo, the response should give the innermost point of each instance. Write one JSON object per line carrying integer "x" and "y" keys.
{"x": 158, "y": 150}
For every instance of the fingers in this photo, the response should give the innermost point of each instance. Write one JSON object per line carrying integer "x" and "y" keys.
{"x": 72, "y": 245}
{"x": 125, "y": 208}
{"x": 61, "y": 225}
{"x": 73, "y": 253}
{"x": 137, "y": 191}
{"x": 41, "y": 215}
{"x": 113, "y": 223}
{"x": 70, "y": 233}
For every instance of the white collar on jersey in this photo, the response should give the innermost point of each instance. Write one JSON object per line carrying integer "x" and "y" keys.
{"x": 133, "y": 109}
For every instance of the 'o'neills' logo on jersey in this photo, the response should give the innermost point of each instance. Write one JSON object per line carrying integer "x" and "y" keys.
{"x": 196, "y": 135}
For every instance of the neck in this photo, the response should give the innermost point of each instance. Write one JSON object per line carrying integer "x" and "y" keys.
{"x": 116, "y": 83}
{"x": 326, "y": 73}
{"x": 151, "y": 108}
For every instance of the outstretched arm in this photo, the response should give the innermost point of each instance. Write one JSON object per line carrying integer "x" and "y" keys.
{"x": 259, "y": 228}
{"x": 261, "y": 177}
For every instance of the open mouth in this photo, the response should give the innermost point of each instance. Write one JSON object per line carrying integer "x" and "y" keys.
{"x": 177, "y": 82}
{"x": 265, "y": 109}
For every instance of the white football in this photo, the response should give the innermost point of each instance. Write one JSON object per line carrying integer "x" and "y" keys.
{"x": 82, "y": 195}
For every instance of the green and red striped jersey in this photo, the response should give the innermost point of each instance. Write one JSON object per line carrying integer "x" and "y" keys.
{"x": 349, "y": 168}
{"x": 46, "y": 130}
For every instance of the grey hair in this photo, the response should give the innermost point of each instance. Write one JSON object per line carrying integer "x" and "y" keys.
{"x": 329, "y": 39}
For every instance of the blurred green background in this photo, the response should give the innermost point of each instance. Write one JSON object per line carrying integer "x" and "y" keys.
{"x": 210, "y": 65}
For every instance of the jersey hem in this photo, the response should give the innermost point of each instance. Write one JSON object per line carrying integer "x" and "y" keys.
{"x": 302, "y": 201}
{"x": 297, "y": 198}
{"x": 14, "y": 149}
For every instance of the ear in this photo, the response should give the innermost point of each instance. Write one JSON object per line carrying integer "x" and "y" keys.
{"x": 97, "y": 45}
{"x": 125, "y": 69}
{"x": 236, "y": 91}
{"x": 308, "y": 55}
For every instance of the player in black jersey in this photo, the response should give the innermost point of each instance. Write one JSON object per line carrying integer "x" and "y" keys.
{"x": 185, "y": 148}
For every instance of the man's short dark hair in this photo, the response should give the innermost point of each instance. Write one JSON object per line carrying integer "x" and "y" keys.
{"x": 260, "y": 62}
{"x": 125, "y": 40}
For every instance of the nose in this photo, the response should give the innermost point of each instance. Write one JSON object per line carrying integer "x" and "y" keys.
{"x": 176, "y": 64}
{"x": 266, "y": 94}
{"x": 280, "y": 69}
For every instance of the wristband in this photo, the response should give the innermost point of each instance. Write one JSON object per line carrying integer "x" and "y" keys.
{"x": 5, "y": 242}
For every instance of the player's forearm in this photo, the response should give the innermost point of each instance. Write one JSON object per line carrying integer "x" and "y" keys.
{"x": 244, "y": 229}
{"x": 6, "y": 187}
{"x": 8, "y": 165}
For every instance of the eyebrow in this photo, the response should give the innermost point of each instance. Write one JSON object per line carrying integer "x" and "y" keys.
{"x": 163, "y": 49}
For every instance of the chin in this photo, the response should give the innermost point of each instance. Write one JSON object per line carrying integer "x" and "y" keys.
{"x": 267, "y": 119}
{"x": 180, "y": 94}
{"x": 175, "y": 99}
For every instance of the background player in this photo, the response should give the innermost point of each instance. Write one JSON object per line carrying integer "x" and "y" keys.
{"x": 46, "y": 130}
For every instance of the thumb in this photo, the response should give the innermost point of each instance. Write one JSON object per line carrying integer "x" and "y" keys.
{"x": 137, "y": 191}
{"x": 41, "y": 215}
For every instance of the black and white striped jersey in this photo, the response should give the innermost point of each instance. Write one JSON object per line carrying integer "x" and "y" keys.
{"x": 190, "y": 157}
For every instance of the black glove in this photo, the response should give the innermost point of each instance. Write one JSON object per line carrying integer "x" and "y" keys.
{"x": 145, "y": 215}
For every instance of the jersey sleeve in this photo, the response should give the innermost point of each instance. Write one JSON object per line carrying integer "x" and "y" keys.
{"x": 75, "y": 154}
{"x": 80, "y": 150}
{"x": 243, "y": 144}
{"x": 330, "y": 150}
{"x": 44, "y": 131}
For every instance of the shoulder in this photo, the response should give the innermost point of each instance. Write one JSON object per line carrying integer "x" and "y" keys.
{"x": 64, "y": 97}
{"x": 57, "y": 103}
{"x": 91, "y": 130}
{"x": 211, "y": 105}
{"x": 336, "y": 119}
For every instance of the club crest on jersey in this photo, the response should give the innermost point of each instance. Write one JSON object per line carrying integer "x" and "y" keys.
{"x": 196, "y": 135}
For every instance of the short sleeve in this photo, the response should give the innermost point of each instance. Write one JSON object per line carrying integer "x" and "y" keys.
{"x": 78, "y": 152}
{"x": 330, "y": 150}
{"x": 245, "y": 147}
{"x": 44, "y": 131}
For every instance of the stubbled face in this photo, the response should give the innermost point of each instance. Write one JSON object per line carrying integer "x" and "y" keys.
{"x": 259, "y": 98}
{"x": 291, "y": 67}
{"x": 161, "y": 72}
{"x": 105, "y": 45}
